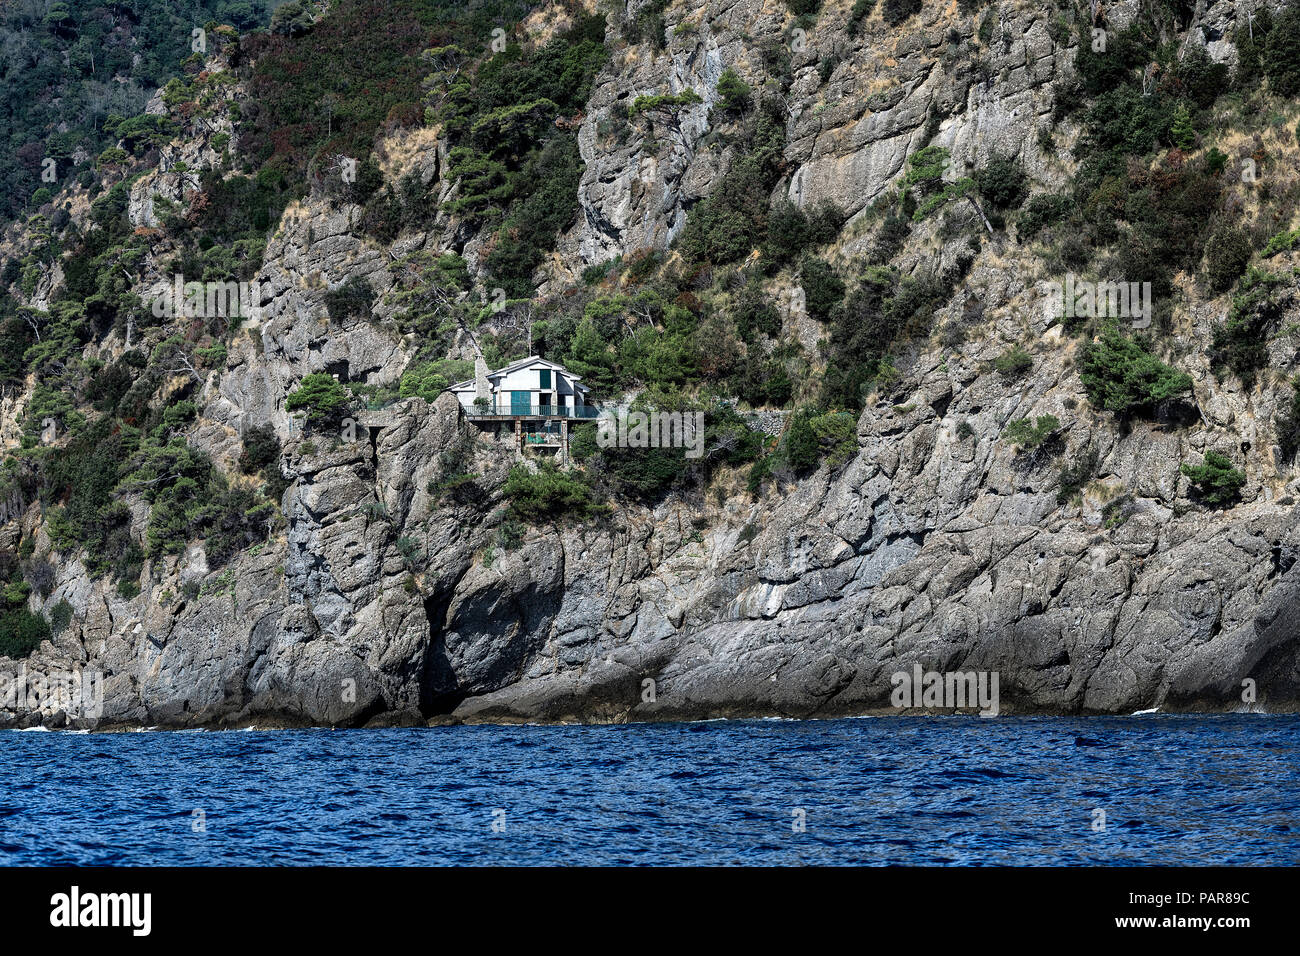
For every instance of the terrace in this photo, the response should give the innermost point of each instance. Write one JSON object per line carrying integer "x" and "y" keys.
{"x": 513, "y": 410}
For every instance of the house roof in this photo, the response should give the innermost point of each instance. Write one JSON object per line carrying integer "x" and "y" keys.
{"x": 519, "y": 365}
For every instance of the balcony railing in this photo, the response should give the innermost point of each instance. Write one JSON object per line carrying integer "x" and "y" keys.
{"x": 508, "y": 410}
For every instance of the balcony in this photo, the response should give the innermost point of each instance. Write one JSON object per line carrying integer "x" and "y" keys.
{"x": 508, "y": 411}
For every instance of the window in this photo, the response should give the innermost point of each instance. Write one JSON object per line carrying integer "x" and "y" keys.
{"x": 546, "y": 378}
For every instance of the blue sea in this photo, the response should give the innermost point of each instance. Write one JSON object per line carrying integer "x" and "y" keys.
{"x": 1140, "y": 790}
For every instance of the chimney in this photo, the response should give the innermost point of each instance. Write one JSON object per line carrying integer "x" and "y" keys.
{"x": 482, "y": 389}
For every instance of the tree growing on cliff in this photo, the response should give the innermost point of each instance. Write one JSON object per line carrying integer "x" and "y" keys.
{"x": 21, "y": 631}
{"x": 823, "y": 289}
{"x": 1121, "y": 375}
{"x": 1282, "y": 53}
{"x": 734, "y": 94}
{"x": 1002, "y": 182}
{"x": 1217, "y": 483}
{"x": 1030, "y": 436}
{"x": 1240, "y": 343}
{"x": 1226, "y": 256}
{"x": 324, "y": 399}
{"x": 547, "y": 494}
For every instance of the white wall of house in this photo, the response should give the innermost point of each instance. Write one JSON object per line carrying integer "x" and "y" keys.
{"x": 561, "y": 391}
{"x": 530, "y": 380}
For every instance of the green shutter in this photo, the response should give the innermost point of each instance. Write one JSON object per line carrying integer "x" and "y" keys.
{"x": 546, "y": 378}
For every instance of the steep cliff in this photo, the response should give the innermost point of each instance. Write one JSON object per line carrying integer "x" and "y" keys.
{"x": 377, "y": 571}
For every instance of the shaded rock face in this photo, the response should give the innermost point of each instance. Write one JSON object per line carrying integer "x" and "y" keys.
{"x": 936, "y": 545}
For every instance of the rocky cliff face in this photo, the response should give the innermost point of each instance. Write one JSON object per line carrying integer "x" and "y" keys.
{"x": 936, "y": 544}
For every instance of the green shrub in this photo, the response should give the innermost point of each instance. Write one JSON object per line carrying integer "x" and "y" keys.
{"x": 823, "y": 289}
{"x": 923, "y": 187}
{"x": 762, "y": 380}
{"x": 801, "y": 445}
{"x": 1014, "y": 362}
{"x": 261, "y": 448}
{"x": 1115, "y": 513}
{"x": 1240, "y": 344}
{"x": 261, "y": 455}
{"x": 666, "y": 102}
{"x": 1284, "y": 241}
{"x": 353, "y": 299}
{"x": 324, "y": 399}
{"x": 60, "y": 616}
{"x": 1217, "y": 482}
{"x": 409, "y": 549}
{"x": 1077, "y": 472}
{"x": 861, "y": 10}
{"x": 862, "y": 329}
{"x": 825, "y": 220}
{"x": 517, "y": 165}
{"x": 428, "y": 380}
{"x": 1002, "y": 182}
{"x": 648, "y": 25}
{"x": 1121, "y": 375}
{"x": 890, "y": 238}
{"x": 810, "y": 438}
{"x": 1282, "y": 53}
{"x": 1227, "y": 253}
{"x": 734, "y": 94}
{"x": 788, "y": 232}
{"x": 21, "y": 632}
{"x": 755, "y": 312}
{"x": 1159, "y": 216}
{"x": 644, "y": 473}
{"x": 1029, "y": 435}
{"x": 547, "y": 494}
{"x": 1199, "y": 78}
{"x": 530, "y": 231}
{"x": 1181, "y": 131}
{"x": 790, "y": 229}
{"x": 837, "y": 436}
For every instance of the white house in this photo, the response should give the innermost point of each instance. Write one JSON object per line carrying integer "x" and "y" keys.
{"x": 531, "y": 401}
{"x": 528, "y": 388}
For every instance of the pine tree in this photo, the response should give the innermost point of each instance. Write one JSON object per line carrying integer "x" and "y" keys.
{"x": 590, "y": 358}
{"x": 1282, "y": 53}
{"x": 1181, "y": 130}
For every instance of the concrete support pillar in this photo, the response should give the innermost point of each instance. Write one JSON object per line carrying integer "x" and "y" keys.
{"x": 482, "y": 388}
